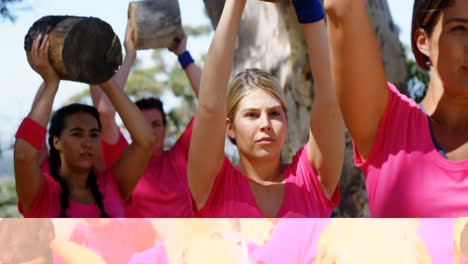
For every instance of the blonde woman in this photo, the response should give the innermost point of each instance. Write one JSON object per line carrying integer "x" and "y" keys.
{"x": 254, "y": 118}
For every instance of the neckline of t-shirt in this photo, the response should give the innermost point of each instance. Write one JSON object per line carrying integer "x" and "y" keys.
{"x": 82, "y": 204}
{"x": 434, "y": 140}
{"x": 434, "y": 153}
{"x": 252, "y": 196}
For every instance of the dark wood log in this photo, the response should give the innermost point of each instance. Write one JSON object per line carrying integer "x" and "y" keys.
{"x": 83, "y": 49}
{"x": 156, "y": 24}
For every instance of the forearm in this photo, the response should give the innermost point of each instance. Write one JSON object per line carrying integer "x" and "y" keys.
{"x": 42, "y": 108}
{"x": 194, "y": 76}
{"x": 100, "y": 100}
{"x": 357, "y": 68}
{"x": 122, "y": 74}
{"x": 219, "y": 60}
{"x": 131, "y": 116}
{"x": 38, "y": 94}
{"x": 326, "y": 149}
{"x": 109, "y": 128}
{"x": 205, "y": 160}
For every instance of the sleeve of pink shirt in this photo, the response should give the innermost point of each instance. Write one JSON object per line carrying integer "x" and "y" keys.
{"x": 390, "y": 129}
{"x": 219, "y": 191}
{"x": 183, "y": 143}
{"x": 303, "y": 169}
{"x": 46, "y": 202}
{"x": 112, "y": 152}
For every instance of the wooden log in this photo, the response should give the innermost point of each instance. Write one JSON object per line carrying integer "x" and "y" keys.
{"x": 156, "y": 24}
{"x": 83, "y": 49}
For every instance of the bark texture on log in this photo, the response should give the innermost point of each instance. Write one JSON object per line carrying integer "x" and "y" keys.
{"x": 270, "y": 39}
{"x": 83, "y": 49}
{"x": 214, "y": 9}
{"x": 157, "y": 24}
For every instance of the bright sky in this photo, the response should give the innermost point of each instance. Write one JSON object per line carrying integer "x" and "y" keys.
{"x": 19, "y": 82}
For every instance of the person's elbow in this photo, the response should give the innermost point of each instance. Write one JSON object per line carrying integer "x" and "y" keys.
{"x": 340, "y": 9}
{"x": 22, "y": 152}
{"x": 106, "y": 113}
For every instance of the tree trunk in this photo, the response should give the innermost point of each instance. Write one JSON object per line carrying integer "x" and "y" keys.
{"x": 157, "y": 24}
{"x": 81, "y": 49}
{"x": 267, "y": 29}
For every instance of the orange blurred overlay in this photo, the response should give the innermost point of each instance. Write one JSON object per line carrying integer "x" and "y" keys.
{"x": 240, "y": 241}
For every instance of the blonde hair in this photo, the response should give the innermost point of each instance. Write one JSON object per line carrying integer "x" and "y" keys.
{"x": 249, "y": 80}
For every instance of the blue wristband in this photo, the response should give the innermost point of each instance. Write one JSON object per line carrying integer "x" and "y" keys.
{"x": 185, "y": 59}
{"x": 308, "y": 11}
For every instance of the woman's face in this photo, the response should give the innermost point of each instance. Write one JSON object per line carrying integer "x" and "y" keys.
{"x": 155, "y": 119}
{"x": 447, "y": 48}
{"x": 79, "y": 141}
{"x": 259, "y": 126}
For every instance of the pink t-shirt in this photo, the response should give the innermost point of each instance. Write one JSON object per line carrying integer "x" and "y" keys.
{"x": 47, "y": 203}
{"x": 405, "y": 174}
{"x": 303, "y": 196}
{"x": 111, "y": 152}
{"x": 292, "y": 241}
{"x": 163, "y": 190}
{"x": 117, "y": 240}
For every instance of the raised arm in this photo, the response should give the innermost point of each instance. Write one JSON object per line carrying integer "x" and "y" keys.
{"x": 42, "y": 154}
{"x": 191, "y": 69}
{"x": 31, "y": 135}
{"x": 133, "y": 162}
{"x": 326, "y": 137}
{"x": 357, "y": 70}
{"x": 110, "y": 130}
{"x": 206, "y": 153}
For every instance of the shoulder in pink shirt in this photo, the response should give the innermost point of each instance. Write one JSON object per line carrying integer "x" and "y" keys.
{"x": 303, "y": 197}
{"x": 405, "y": 174}
{"x": 47, "y": 204}
{"x": 163, "y": 190}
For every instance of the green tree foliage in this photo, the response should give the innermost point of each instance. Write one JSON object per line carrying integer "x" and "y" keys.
{"x": 418, "y": 79}
{"x": 8, "y": 7}
{"x": 198, "y": 30}
{"x": 8, "y": 200}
